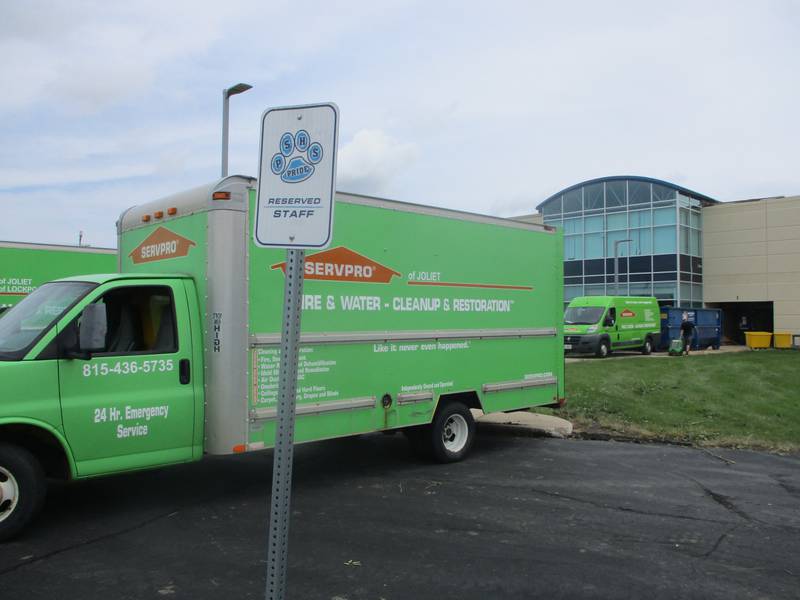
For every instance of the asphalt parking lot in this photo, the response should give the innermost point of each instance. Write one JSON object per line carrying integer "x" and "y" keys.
{"x": 523, "y": 517}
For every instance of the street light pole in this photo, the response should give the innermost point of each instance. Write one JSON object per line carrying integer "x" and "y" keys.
{"x": 616, "y": 263}
{"x": 226, "y": 94}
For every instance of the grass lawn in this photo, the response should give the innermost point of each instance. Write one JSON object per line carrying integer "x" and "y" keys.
{"x": 743, "y": 399}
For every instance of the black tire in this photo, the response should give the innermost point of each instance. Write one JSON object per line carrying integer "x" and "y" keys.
{"x": 23, "y": 489}
{"x": 452, "y": 433}
{"x": 603, "y": 349}
{"x": 648, "y": 346}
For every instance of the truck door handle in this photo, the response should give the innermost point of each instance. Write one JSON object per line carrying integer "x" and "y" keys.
{"x": 184, "y": 371}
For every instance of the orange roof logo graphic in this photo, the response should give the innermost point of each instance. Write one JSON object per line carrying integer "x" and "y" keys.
{"x": 161, "y": 245}
{"x": 343, "y": 264}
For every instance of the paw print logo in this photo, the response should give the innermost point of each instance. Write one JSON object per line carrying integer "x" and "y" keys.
{"x": 297, "y": 157}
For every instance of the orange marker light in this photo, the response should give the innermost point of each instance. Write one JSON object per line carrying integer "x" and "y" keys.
{"x": 145, "y": 218}
{"x": 221, "y": 196}
{"x": 172, "y": 211}
{"x": 159, "y": 214}
{"x": 239, "y": 448}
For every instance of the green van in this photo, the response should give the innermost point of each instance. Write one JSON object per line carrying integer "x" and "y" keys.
{"x": 601, "y": 324}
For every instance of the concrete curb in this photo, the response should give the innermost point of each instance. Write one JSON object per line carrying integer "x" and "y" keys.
{"x": 527, "y": 422}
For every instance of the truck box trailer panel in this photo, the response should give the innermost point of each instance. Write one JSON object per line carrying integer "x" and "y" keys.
{"x": 408, "y": 303}
{"x": 419, "y": 302}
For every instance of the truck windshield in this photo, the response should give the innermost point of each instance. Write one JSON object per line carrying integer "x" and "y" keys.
{"x": 583, "y": 315}
{"x": 23, "y": 324}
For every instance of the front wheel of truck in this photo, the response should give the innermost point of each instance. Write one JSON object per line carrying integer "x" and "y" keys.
{"x": 22, "y": 489}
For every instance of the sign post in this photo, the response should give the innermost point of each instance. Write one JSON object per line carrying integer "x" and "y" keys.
{"x": 294, "y": 210}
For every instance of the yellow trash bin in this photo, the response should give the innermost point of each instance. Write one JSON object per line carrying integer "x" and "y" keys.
{"x": 758, "y": 339}
{"x": 782, "y": 340}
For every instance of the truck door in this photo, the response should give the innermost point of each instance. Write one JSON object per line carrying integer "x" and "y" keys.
{"x": 613, "y": 328}
{"x": 132, "y": 405}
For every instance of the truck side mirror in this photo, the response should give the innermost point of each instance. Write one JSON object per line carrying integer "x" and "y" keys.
{"x": 608, "y": 321}
{"x": 93, "y": 327}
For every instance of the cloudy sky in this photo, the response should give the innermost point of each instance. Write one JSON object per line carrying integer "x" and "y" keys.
{"x": 487, "y": 107}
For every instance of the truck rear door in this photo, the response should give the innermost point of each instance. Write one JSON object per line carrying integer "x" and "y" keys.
{"x": 132, "y": 405}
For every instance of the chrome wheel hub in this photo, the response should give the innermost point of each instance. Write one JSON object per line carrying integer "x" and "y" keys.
{"x": 455, "y": 433}
{"x": 9, "y": 493}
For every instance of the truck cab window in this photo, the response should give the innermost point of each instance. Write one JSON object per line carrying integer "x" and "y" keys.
{"x": 611, "y": 316}
{"x": 141, "y": 319}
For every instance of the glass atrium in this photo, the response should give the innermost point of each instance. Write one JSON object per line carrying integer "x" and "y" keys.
{"x": 653, "y": 227}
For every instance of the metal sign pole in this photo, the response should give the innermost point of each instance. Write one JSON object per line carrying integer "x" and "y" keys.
{"x": 278, "y": 544}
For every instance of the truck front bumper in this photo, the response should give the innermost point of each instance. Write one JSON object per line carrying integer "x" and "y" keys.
{"x": 581, "y": 343}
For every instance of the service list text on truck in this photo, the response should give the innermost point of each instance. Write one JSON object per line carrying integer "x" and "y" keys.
{"x": 413, "y": 316}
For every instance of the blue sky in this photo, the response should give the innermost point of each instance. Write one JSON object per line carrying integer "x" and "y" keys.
{"x": 481, "y": 107}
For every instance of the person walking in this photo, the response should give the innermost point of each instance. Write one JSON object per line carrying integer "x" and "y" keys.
{"x": 687, "y": 333}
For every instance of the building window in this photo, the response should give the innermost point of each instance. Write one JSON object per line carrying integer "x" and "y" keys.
{"x": 662, "y": 193}
{"x": 638, "y": 192}
{"x": 593, "y": 223}
{"x": 573, "y": 226}
{"x": 617, "y": 236}
{"x": 594, "y": 245}
{"x": 572, "y": 291}
{"x": 642, "y": 241}
{"x": 640, "y": 218}
{"x": 641, "y": 289}
{"x": 664, "y": 216}
{"x": 664, "y": 240}
{"x": 573, "y": 247}
{"x": 664, "y": 291}
{"x": 553, "y": 207}
{"x": 593, "y": 196}
{"x": 617, "y": 221}
{"x": 616, "y": 195}
{"x": 573, "y": 201}
{"x": 694, "y": 242}
{"x": 595, "y": 290}
{"x": 697, "y": 293}
{"x": 684, "y": 240}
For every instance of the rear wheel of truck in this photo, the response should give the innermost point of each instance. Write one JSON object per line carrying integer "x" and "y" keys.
{"x": 22, "y": 489}
{"x": 603, "y": 349}
{"x": 648, "y": 345}
{"x": 452, "y": 433}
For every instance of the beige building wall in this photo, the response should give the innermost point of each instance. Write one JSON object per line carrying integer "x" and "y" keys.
{"x": 751, "y": 253}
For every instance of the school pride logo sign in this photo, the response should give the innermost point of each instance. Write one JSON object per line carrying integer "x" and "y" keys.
{"x": 343, "y": 264}
{"x": 297, "y": 177}
{"x": 161, "y": 245}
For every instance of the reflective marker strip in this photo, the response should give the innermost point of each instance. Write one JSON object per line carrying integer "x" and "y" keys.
{"x": 412, "y": 398}
{"x": 316, "y": 408}
{"x": 505, "y": 386}
{"x": 266, "y": 339}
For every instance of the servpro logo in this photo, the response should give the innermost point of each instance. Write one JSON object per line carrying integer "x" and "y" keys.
{"x": 343, "y": 264}
{"x": 161, "y": 245}
{"x": 627, "y": 313}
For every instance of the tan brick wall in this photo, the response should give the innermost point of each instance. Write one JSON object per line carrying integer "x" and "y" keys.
{"x": 751, "y": 253}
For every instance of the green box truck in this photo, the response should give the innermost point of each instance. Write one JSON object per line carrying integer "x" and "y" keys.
{"x": 413, "y": 316}
{"x": 24, "y": 267}
{"x": 600, "y": 324}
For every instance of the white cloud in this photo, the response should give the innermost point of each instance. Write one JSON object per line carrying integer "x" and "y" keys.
{"x": 369, "y": 162}
{"x": 85, "y": 55}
